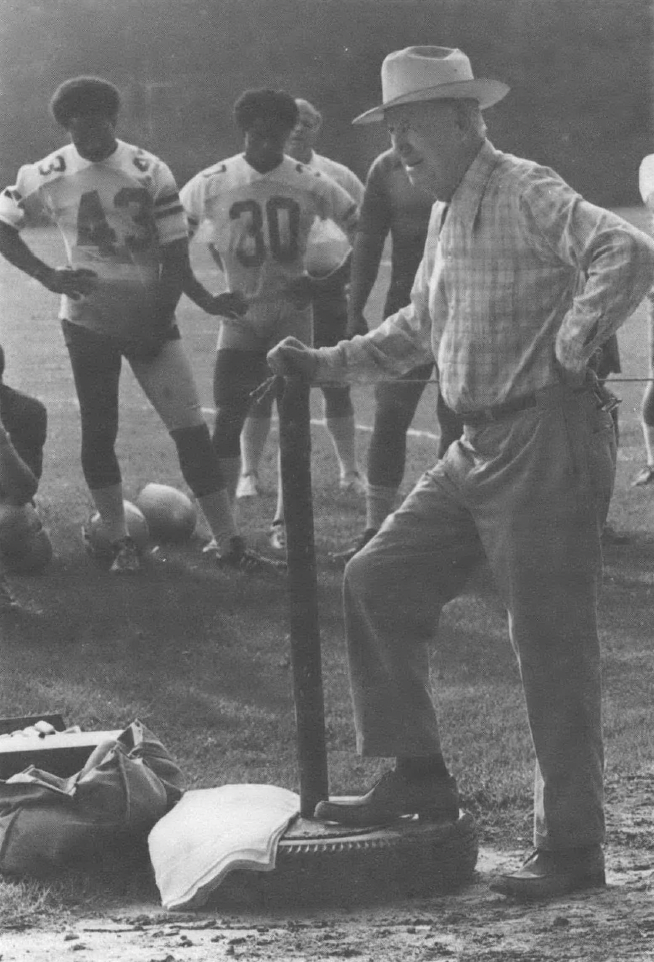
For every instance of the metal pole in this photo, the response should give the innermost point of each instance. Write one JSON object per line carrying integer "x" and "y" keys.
{"x": 295, "y": 453}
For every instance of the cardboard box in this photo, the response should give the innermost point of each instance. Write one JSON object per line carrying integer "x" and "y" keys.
{"x": 63, "y": 753}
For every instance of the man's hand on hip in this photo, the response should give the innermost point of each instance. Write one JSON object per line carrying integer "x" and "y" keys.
{"x": 292, "y": 358}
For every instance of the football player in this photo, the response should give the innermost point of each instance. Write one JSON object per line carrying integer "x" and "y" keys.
{"x": 24, "y": 543}
{"x": 124, "y": 229}
{"x": 260, "y": 206}
{"x": 327, "y": 250}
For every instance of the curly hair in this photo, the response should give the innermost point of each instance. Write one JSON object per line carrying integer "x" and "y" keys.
{"x": 81, "y": 95}
{"x": 275, "y": 106}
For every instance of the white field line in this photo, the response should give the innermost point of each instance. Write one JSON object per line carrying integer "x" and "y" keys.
{"x": 360, "y": 427}
{"x": 367, "y": 428}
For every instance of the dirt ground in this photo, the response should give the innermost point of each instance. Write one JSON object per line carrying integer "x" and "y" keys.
{"x": 474, "y": 925}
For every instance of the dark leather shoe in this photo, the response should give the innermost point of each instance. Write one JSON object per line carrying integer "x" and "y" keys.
{"x": 393, "y": 796}
{"x": 547, "y": 875}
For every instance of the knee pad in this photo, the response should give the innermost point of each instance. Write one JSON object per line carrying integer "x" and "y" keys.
{"x": 647, "y": 408}
{"x": 198, "y": 460}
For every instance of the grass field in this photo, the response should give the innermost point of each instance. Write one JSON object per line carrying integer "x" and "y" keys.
{"x": 202, "y": 656}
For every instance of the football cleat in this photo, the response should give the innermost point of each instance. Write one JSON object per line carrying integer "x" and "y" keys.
{"x": 7, "y": 601}
{"x": 646, "y": 476}
{"x": 353, "y": 483}
{"x": 127, "y": 558}
{"x": 341, "y": 558}
{"x": 248, "y": 486}
{"x": 241, "y": 558}
{"x": 277, "y": 536}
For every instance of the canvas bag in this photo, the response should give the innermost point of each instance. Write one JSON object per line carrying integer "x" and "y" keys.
{"x": 47, "y": 822}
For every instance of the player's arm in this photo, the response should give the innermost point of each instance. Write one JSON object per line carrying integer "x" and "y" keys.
{"x": 373, "y": 228}
{"x": 231, "y": 304}
{"x": 17, "y": 482}
{"x": 366, "y": 258}
{"x": 73, "y": 283}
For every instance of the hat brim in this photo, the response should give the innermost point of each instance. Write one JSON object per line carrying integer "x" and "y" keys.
{"x": 486, "y": 92}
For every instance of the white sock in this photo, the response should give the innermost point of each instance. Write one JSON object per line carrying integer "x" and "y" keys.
{"x": 279, "y": 510}
{"x": 342, "y": 434}
{"x": 380, "y": 501}
{"x": 109, "y": 504}
{"x": 253, "y": 441}
{"x": 218, "y": 512}
{"x": 648, "y": 434}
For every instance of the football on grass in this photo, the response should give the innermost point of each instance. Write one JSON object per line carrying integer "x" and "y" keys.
{"x": 137, "y": 528}
{"x": 170, "y": 513}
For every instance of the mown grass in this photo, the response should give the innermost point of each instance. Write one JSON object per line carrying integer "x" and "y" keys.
{"x": 202, "y": 657}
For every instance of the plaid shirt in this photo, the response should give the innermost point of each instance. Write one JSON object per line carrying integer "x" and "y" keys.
{"x": 521, "y": 277}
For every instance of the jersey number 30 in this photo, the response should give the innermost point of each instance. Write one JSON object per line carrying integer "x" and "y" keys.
{"x": 282, "y": 217}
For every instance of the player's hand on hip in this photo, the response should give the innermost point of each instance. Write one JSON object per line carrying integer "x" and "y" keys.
{"x": 231, "y": 304}
{"x": 292, "y": 358}
{"x": 73, "y": 282}
{"x": 356, "y": 324}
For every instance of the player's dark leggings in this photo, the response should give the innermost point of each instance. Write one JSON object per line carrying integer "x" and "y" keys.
{"x": 329, "y": 325}
{"x": 395, "y": 406}
{"x": 96, "y": 361}
{"x": 236, "y": 374}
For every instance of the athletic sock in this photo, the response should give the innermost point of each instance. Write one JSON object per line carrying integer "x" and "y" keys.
{"x": 231, "y": 471}
{"x": 217, "y": 510}
{"x": 648, "y": 433}
{"x": 279, "y": 510}
{"x": 422, "y": 766}
{"x": 253, "y": 441}
{"x": 109, "y": 505}
{"x": 342, "y": 435}
{"x": 380, "y": 501}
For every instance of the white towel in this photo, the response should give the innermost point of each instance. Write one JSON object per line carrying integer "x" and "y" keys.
{"x": 212, "y": 831}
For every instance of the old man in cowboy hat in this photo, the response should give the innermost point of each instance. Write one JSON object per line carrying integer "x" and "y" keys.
{"x": 520, "y": 283}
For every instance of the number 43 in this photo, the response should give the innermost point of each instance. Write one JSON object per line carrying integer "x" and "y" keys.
{"x": 94, "y": 230}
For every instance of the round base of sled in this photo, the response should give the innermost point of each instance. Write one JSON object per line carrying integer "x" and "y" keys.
{"x": 321, "y": 863}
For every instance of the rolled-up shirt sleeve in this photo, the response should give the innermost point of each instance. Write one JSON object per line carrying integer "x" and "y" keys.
{"x": 403, "y": 341}
{"x": 614, "y": 261}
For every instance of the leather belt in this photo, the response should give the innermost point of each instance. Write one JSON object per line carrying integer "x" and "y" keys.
{"x": 499, "y": 411}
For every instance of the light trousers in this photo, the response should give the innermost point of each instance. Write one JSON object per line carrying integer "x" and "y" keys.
{"x": 531, "y": 493}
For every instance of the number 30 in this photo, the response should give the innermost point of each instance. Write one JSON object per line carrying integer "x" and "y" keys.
{"x": 283, "y": 238}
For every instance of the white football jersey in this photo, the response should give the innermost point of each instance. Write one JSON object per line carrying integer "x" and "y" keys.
{"x": 328, "y": 246}
{"x": 114, "y": 216}
{"x": 260, "y": 223}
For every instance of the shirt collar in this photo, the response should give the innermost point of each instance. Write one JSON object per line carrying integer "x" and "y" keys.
{"x": 468, "y": 195}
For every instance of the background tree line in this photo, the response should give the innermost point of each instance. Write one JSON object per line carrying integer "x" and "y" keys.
{"x": 580, "y": 72}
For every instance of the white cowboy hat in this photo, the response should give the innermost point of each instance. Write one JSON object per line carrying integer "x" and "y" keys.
{"x": 430, "y": 73}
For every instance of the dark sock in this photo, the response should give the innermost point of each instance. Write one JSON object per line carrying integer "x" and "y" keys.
{"x": 421, "y": 766}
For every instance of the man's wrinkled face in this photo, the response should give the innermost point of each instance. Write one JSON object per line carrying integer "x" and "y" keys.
{"x": 93, "y": 134}
{"x": 428, "y": 138}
